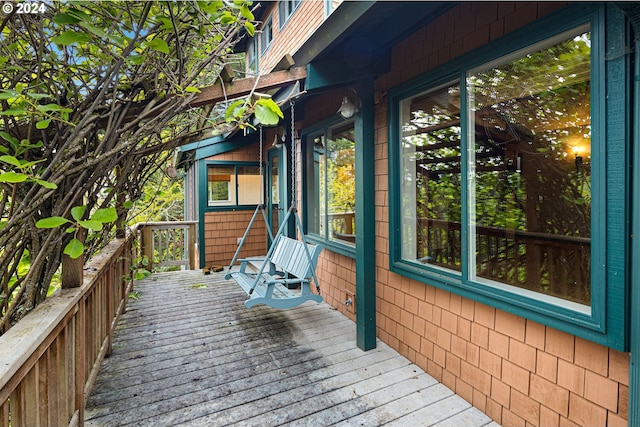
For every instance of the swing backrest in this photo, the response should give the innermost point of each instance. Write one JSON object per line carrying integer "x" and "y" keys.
{"x": 290, "y": 255}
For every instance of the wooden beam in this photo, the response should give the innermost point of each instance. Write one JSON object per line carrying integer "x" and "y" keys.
{"x": 243, "y": 87}
{"x": 285, "y": 63}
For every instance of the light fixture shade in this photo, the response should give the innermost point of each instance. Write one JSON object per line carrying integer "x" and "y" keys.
{"x": 347, "y": 109}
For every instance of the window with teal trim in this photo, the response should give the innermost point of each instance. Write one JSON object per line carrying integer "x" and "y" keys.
{"x": 266, "y": 35}
{"x": 331, "y": 188}
{"x": 499, "y": 183}
{"x": 286, "y": 8}
{"x": 233, "y": 185}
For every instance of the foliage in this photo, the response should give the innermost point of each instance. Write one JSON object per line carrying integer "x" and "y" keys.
{"x": 94, "y": 97}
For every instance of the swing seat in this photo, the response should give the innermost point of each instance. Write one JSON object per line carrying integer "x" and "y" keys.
{"x": 290, "y": 264}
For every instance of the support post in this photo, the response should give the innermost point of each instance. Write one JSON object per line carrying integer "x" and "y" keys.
{"x": 73, "y": 269}
{"x": 147, "y": 245}
{"x": 365, "y": 220}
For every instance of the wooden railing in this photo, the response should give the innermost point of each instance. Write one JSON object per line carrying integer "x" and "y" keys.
{"x": 169, "y": 243}
{"x": 49, "y": 360}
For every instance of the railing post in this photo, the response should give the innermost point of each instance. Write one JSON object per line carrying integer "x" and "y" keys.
{"x": 147, "y": 244}
{"x": 73, "y": 269}
{"x": 191, "y": 248}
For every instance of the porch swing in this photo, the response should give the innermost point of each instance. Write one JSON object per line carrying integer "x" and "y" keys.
{"x": 288, "y": 264}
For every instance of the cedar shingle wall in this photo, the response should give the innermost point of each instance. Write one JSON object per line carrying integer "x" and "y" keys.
{"x": 307, "y": 17}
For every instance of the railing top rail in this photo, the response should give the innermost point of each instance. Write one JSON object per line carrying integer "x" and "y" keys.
{"x": 164, "y": 223}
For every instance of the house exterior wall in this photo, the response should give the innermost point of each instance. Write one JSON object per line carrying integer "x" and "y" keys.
{"x": 300, "y": 26}
{"x": 519, "y": 372}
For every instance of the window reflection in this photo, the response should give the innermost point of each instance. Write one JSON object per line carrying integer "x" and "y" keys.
{"x": 531, "y": 128}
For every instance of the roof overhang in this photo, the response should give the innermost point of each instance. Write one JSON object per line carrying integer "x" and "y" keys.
{"x": 355, "y": 41}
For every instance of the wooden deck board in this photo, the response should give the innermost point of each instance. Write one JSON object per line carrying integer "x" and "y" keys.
{"x": 188, "y": 352}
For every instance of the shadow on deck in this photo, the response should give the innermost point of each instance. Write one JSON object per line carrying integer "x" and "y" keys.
{"x": 188, "y": 352}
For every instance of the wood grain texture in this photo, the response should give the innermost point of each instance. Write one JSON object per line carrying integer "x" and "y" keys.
{"x": 189, "y": 353}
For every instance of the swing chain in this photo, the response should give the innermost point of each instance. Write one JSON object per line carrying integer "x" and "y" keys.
{"x": 261, "y": 171}
{"x": 294, "y": 202}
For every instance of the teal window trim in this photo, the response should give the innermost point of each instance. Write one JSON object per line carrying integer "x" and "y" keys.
{"x": 266, "y": 36}
{"x": 204, "y": 178}
{"x": 310, "y": 184}
{"x": 286, "y": 9}
{"x": 606, "y": 323}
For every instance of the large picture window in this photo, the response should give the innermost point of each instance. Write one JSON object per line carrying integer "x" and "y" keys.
{"x": 332, "y": 190}
{"x": 528, "y": 172}
{"x": 502, "y": 174}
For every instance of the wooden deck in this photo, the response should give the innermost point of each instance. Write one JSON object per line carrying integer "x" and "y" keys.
{"x": 188, "y": 352}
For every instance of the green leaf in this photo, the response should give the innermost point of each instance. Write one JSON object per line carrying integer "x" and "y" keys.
{"x": 128, "y": 204}
{"x": 251, "y": 29}
{"x": 36, "y": 95}
{"x": 191, "y": 89}
{"x": 105, "y": 215}
{"x": 159, "y": 45}
{"x": 136, "y": 59}
{"x": 71, "y": 230}
{"x": 13, "y": 177}
{"x": 8, "y": 94}
{"x": 43, "y": 124}
{"x": 95, "y": 30}
{"x": 52, "y": 107}
{"x": 246, "y": 13}
{"x": 10, "y": 160}
{"x": 65, "y": 18}
{"x": 13, "y": 112}
{"x": 7, "y": 137}
{"x": 91, "y": 225}
{"x": 79, "y": 15}
{"x": 74, "y": 248}
{"x": 70, "y": 37}
{"x": 267, "y": 112}
{"x": 47, "y": 184}
{"x": 77, "y": 212}
{"x": 235, "y": 110}
{"x": 51, "y": 222}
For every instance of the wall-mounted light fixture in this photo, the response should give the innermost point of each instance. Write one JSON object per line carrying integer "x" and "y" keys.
{"x": 348, "y": 108}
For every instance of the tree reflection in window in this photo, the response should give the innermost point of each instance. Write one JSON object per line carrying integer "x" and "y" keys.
{"x": 530, "y": 124}
{"x": 528, "y": 118}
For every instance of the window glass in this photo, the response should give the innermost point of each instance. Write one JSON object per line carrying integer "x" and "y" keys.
{"x": 249, "y": 185}
{"x": 252, "y": 57}
{"x": 431, "y": 185}
{"x": 221, "y": 185}
{"x": 341, "y": 184}
{"x": 331, "y": 205}
{"x": 529, "y": 171}
{"x": 266, "y": 35}
{"x": 523, "y": 164}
